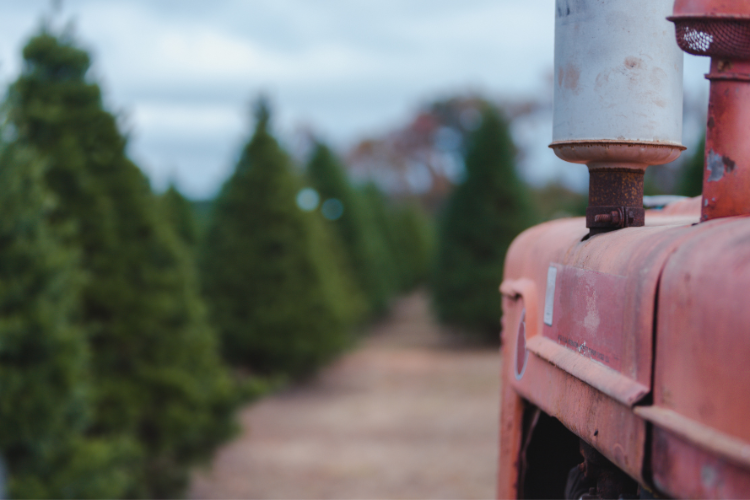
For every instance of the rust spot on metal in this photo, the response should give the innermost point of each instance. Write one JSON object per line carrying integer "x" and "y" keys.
{"x": 613, "y": 217}
{"x": 728, "y": 164}
{"x": 633, "y": 62}
{"x": 620, "y": 143}
{"x": 616, "y": 187}
{"x": 602, "y": 79}
{"x": 711, "y": 122}
{"x": 615, "y": 199}
{"x": 571, "y": 77}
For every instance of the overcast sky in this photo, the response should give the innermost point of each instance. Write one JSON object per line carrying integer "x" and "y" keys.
{"x": 183, "y": 73}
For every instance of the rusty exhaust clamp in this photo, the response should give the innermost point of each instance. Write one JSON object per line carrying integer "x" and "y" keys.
{"x": 618, "y": 100}
{"x": 721, "y": 29}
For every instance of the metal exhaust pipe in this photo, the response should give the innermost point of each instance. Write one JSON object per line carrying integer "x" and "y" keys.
{"x": 721, "y": 30}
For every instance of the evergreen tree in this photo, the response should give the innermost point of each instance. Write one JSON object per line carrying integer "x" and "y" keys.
{"x": 365, "y": 251}
{"x": 407, "y": 237}
{"x": 156, "y": 370}
{"x": 44, "y": 402}
{"x": 554, "y": 201}
{"x": 280, "y": 302}
{"x": 483, "y": 215}
{"x": 381, "y": 220}
{"x": 691, "y": 178}
{"x": 202, "y": 210}
{"x": 414, "y": 243}
{"x": 181, "y": 215}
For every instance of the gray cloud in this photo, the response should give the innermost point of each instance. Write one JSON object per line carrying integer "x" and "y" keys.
{"x": 184, "y": 71}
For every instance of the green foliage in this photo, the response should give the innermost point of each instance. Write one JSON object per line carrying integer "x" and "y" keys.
{"x": 364, "y": 251}
{"x": 202, "y": 215}
{"x": 157, "y": 377}
{"x": 406, "y": 235}
{"x": 554, "y": 201}
{"x": 415, "y": 241}
{"x": 181, "y": 215}
{"x": 281, "y": 303}
{"x": 483, "y": 215}
{"x": 691, "y": 178}
{"x": 44, "y": 361}
{"x": 378, "y": 216}
{"x": 651, "y": 184}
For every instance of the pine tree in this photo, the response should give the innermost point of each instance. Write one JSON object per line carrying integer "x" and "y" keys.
{"x": 691, "y": 178}
{"x": 364, "y": 249}
{"x": 481, "y": 218}
{"x": 202, "y": 210}
{"x": 380, "y": 217}
{"x": 45, "y": 402}
{"x": 414, "y": 235}
{"x": 156, "y": 370}
{"x": 278, "y": 299}
{"x": 406, "y": 235}
{"x": 181, "y": 216}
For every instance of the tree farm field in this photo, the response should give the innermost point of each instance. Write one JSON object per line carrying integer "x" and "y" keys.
{"x": 410, "y": 413}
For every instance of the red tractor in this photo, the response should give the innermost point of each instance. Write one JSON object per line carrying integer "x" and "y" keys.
{"x": 626, "y": 335}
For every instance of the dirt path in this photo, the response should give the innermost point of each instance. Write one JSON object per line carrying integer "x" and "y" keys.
{"x": 403, "y": 416}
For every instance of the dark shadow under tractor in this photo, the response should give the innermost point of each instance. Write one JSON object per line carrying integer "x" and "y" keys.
{"x": 555, "y": 463}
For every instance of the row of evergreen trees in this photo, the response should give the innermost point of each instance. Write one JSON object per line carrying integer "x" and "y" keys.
{"x": 288, "y": 283}
{"x": 481, "y": 218}
{"x": 126, "y": 333}
{"x": 112, "y": 380}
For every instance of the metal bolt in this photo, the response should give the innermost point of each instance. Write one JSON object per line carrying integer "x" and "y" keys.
{"x": 613, "y": 217}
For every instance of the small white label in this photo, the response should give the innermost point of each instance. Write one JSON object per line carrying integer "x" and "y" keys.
{"x": 549, "y": 296}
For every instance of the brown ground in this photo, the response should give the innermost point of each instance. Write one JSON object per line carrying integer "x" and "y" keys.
{"x": 406, "y": 415}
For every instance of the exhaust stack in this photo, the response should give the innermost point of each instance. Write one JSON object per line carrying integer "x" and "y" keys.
{"x": 721, "y": 30}
{"x": 618, "y": 100}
